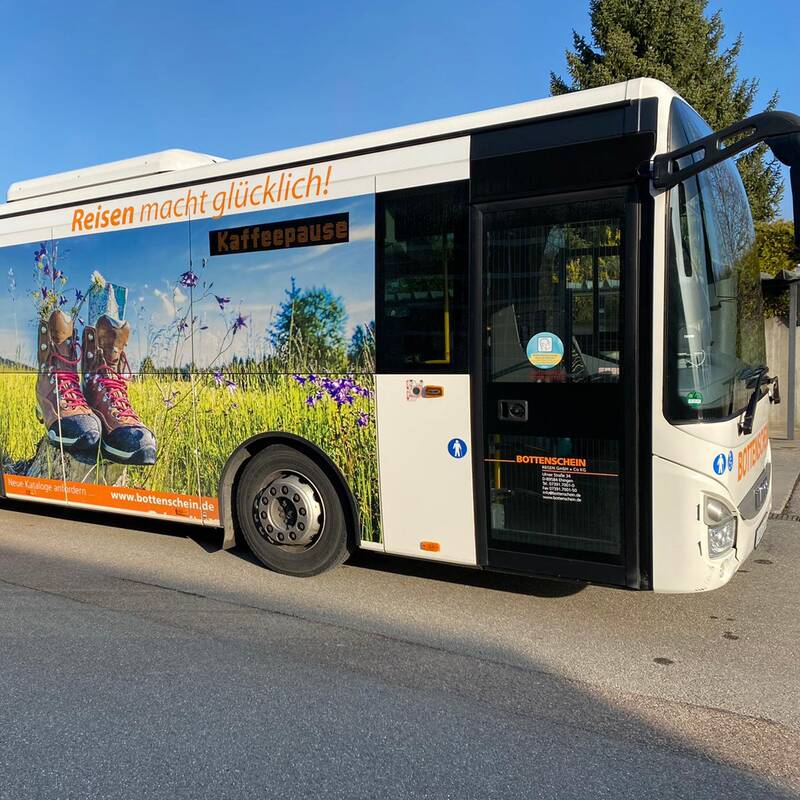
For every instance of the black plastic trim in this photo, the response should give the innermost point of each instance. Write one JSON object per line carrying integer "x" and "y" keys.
{"x": 603, "y": 163}
{"x": 476, "y": 386}
{"x": 644, "y": 401}
{"x": 631, "y": 379}
{"x": 547, "y": 566}
{"x": 591, "y": 125}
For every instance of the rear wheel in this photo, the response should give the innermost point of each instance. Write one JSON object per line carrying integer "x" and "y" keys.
{"x": 290, "y": 513}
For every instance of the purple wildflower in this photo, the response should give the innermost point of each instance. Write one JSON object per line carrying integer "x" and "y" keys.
{"x": 239, "y": 323}
{"x": 231, "y": 385}
{"x": 189, "y": 279}
{"x": 62, "y": 300}
{"x": 222, "y": 302}
{"x": 339, "y": 390}
{"x": 78, "y": 296}
{"x": 57, "y": 273}
{"x": 363, "y": 419}
{"x": 218, "y": 378}
{"x": 183, "y": 325}
{"x": 44, "y": 293}
{"x": 46, "y": 270}
{"x": 300, "y": 379}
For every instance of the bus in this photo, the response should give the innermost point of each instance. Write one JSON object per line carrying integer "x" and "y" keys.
{"x": 528, "y": 339}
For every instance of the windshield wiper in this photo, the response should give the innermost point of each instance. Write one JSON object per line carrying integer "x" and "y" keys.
{"x": 756, "y": 377}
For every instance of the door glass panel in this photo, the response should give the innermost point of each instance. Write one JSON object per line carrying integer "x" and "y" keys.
{"x": 552, "y": 349}
{"x": 552, "y": 282}
{"x": 559, "y": 495}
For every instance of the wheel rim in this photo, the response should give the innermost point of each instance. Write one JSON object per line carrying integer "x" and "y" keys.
{"x": 288, "y": 511}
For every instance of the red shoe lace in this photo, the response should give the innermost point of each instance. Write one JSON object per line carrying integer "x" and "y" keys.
{"x": 115, "y": 386}
{"x": 67, "y": 385}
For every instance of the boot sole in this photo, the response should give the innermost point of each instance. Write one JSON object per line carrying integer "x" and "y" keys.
{"x": 77, "y": 445}
{"x": 144, "y": 456}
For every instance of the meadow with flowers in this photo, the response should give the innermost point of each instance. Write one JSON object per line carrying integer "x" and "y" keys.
{"x": 211, "y": 366}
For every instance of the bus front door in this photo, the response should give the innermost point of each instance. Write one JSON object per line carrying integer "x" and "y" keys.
{"x": 556, "y": 449}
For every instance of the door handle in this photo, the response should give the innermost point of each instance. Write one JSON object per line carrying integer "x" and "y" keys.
{"x": 512, "y": 410}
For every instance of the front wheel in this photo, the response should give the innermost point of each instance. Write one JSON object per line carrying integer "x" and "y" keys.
{"x": 290, "y": 513}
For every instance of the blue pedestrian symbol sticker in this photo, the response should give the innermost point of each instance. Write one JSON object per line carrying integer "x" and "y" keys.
{"x": 721, "y": 464}
{"x": 457, "y": 448}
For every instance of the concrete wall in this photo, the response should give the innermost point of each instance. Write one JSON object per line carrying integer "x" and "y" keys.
{"x": 777, "y": 333}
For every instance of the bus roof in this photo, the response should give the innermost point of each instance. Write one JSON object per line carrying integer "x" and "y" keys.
{"x": 111, "y": 172}
{"x": 145, "y": 172}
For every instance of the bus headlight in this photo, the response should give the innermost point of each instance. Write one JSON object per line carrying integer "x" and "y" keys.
{"x": 721, "y": 538}
{"x": 721, "y": 523}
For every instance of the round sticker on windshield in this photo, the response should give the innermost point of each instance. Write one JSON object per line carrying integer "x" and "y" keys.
{"x": 545, "y": 350}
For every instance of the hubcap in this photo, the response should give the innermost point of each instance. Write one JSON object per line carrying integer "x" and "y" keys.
{"x": 288, "y": 510}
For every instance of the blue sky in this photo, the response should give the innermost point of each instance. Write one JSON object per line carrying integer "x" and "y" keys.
{"x": 96, "y": 81}
{"x": 149, "y": 262}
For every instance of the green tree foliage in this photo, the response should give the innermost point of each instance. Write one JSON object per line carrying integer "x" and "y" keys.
{"x": 361, "y": 350}
{"x": 309, "y": 328}
{"x": 776, "y": 251}
{"x": 674, "y": 41}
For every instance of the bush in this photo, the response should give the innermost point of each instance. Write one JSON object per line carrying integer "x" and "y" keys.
{"x": 776, "y": 251}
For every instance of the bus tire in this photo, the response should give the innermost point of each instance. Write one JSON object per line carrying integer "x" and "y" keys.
{"x": 290, "y": 513}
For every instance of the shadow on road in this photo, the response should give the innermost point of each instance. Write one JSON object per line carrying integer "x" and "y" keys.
{"x": 498, "y": 581}
{"x": 209, "y": 540}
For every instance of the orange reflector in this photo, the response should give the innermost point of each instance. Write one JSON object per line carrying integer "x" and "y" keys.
{"x": 430, "y": 547}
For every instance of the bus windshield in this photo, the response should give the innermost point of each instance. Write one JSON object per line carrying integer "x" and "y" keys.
{"x": 715, "y": 329}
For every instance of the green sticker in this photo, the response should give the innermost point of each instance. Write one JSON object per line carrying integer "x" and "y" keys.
{"x": 694, "y": 399}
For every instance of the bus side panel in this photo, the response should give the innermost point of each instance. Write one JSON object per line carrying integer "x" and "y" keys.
{"x": 284, "y": 339}
{"x": 28, "y": 470}
{"x": 427, "y": 499}
{"x": 222, "y": 328}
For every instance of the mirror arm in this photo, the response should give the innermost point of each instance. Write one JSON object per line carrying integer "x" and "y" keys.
{"x": 779, "y": 129}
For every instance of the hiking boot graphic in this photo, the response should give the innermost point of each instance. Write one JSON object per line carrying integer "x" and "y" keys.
{"x": 125, "y": 439}
{"x": 60, "y": 404}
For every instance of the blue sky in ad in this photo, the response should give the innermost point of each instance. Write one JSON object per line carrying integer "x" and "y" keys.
{"x": 149, "y": 262}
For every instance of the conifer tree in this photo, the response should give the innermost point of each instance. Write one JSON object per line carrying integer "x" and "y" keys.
{"x": 674, "y": 41}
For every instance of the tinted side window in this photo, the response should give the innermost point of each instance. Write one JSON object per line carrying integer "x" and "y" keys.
{"x": 422, "y": 279}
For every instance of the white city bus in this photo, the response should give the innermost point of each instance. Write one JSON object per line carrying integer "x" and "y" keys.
{"x": 527, "y": 339}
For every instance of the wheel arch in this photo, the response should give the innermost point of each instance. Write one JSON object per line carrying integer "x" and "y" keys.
{"x": 255, "y": 444}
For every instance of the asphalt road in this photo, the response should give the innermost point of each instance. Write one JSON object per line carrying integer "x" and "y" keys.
{"x": 139, "y": 661}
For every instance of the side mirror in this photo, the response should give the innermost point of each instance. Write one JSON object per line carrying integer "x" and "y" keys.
{"x": 786, "y": 148}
